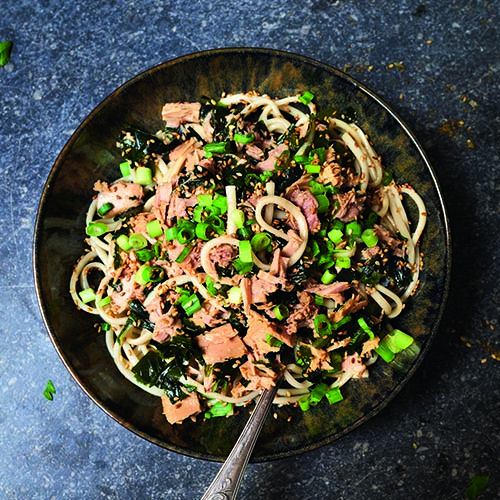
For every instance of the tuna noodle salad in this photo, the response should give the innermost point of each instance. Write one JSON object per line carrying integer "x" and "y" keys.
{"x": 251, "y": 238}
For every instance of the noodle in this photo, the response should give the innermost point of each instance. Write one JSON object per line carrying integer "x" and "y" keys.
{"x": 243, "y": 244}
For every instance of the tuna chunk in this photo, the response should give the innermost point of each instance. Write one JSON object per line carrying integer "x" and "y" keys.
{"x": 167, "y": 326}
{"x": 350, "y": 206}
{"x": 122, "y": 195}
{"x": 271, "y": 160}
{"x": 176, "y": 113}
{"x": 306, "y": 201}
{"x": 181, "y": 410}
{"x": 261, "y": 377}
{"x": 220, "y": 344}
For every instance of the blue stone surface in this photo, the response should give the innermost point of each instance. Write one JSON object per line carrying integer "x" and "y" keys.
{"x": 437, "y": 64}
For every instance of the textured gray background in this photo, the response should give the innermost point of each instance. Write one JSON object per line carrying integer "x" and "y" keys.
{"x": 444, "y": 426}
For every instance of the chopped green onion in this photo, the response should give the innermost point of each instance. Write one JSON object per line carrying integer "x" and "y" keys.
{"x": 244, "y": 138}
{"x": 238, "y": 217}
{"x": 323, "y": 203}
{"x": 217, "y": 224}
{"x": 301, "y": 158}
{"x": 306, "y": 97}
{"x": 123, "y": 242}
{"x": 171, "y": 233}
{"x": 335, "y": 235}
{"x": 5, "y": 49}
{"x": 205, "y": 200}
{"x": 364, "y": 325}
{"x": 318, "y": 154}
{"x": 186, "y": 234}
{"x": 105, "y": 327}
{"x": 185, "y": 252}
{"x": 149, "y": 274}
{"x": 125, "y": 169}
{"x": 242, "y": 267}
{"x": 234, "y": 295}
{"x": 219, "y": 409}
{"x": 334, "y": 395}
{"x": 317, "y": 393}
{"x": 49, "y": 390}
{"x": 316, "y": 188}
{"x": 261, "y": 242}
{"x": 87, "y": 295}
{"x": 369, "y": 237}
{"x": 191, "y": 305}
{"x": 137, "y": 241}
{"x": 327, "y": 277}
{"x": 145, "y": 254}
{"x": 353, "y": 229}
{"x": 221, "y": 203}
{"x": 322, "y": 325}
{"x": 319, "y": 300}
{"x": 203, "y": 231}
{"x": 105, "y": 208}
{"x": 394, "y": 342}
{"x": 96, "y": 228}
{"x": 217, "y": 147}
{"x": 143, "y": 176}
{"x": 312, "y": 169}
{"x": 273, "y": 341}
{"x": 104, "y": 301}
{"x": 304, "y": 403}
{"x": 386, "y": 178}
{"x": 340, "y": 322}
{"x": 343, "y": 262}
{"x": 281, "y": 312}
{"x": 245, "y": 248}
{"x": 154, "y": 228}
{"x": 244, "y": 232}
{"x": 384, "y": 352}
{"x": 210, "y": 286}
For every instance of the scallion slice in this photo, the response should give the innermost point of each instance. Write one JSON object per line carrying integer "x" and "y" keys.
{"x": 105, "y": 208}
{"x": 245, "y": 248}
{"x": 369, "y": 237}
{"x": 137, "y": 241}
{"x": 125, "y": 169}
{"x": 154, "y": 228}
{"x": 96, "y": 228}
{"x": 281, "y": 312}
{"x": 123, "y": 242}
{"x": 261, "y": 242}
{"x": 87, "y": 295}
{"x": 244, "y": 138}
{"x": 143, "y": 176}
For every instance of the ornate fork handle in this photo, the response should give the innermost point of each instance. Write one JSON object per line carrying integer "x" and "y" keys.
{"x": 227, "y": 482}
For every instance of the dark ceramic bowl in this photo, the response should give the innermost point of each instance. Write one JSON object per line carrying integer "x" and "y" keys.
{"x": 91, "y": 154}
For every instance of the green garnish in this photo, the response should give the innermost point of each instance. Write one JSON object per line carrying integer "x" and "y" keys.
{"x": 5, "y": 48}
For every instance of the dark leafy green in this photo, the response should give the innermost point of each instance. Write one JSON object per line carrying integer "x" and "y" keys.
{"x": 165, "y": 367}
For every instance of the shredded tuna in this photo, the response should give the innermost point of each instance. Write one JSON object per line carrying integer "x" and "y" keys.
{"x": 178, "y": 412}
{"x": 272, "y": 158}
{"x": 122, "y": 195}
{"x": 167, "y": 326}
{"x": 177, "y": 113}
{"x": 260, "y": 376}
{"x": 350, "y": 206}
{"x": 178, "y": 206}
{"x": 353, "y": 365}
{"x": 220, "y": 344}
{"x": 223, "y": 255}
{"x": 258, "y": 328}
{"x": 309, "y": 206}
{"x": 351, "y": 305}
{"x": 333, "y": 291}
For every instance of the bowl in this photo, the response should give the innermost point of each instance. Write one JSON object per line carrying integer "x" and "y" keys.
{"x": 91, "y": 154}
